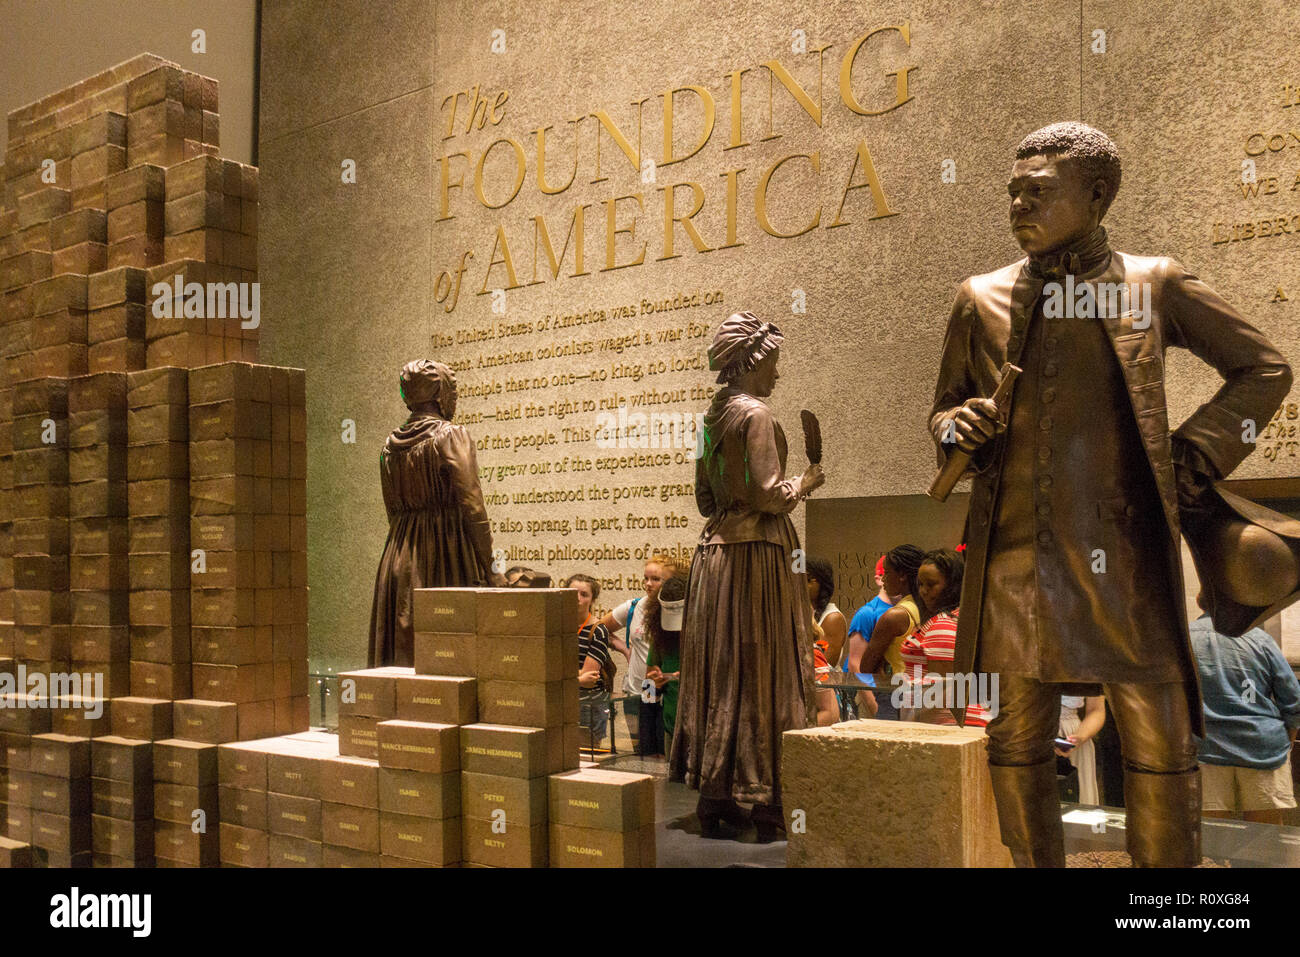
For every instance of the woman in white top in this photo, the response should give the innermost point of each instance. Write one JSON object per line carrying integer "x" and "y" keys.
{"x": 1081, "y": 731}
{"x": 629, "y": 637}
{"x": 636, "y": 646}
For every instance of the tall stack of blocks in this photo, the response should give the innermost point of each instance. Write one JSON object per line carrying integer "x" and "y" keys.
{"x": 152, "y": 480}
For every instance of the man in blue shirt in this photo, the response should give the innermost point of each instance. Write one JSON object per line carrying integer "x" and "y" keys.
{"x": 860, "y": 629}
{"x": 1252, "y": 711}
{"x": 864, "y": 621}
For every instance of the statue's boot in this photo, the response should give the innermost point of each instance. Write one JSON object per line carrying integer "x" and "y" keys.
{"x": 713, "y": 812}
{"x": 1164, "y": 818}
{"x": 769, "y": 819}
{"x": 1029, "y": 813}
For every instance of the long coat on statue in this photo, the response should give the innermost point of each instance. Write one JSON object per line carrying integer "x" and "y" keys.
{"x": 1073, "y": 570}
{"x": 438, "y": 530}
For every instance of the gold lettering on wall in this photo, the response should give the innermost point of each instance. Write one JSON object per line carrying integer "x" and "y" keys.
{"x": 777, "y": 71}
{"x": 606, "y": 124}
{"x": 613, "y": 231}
{"x": 706, "y": 99}
{"x": 496, "y": 173}
{"x": 871, "y": 181}
{"x": 521, "y": 169}
{"x": 586, "y": 410}
{"x": 503, "y": 245}
{"x": 901, "y": 95}
{"x": 542, "y": 185}
{"x": 671, "y": 218}
{"x": 542, "y": 237}
{"x": 760, "y": 197}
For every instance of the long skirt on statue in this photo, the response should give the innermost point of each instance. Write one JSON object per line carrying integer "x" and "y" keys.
{"x": 428, "y": 544}
{"x": 746, "y": 671}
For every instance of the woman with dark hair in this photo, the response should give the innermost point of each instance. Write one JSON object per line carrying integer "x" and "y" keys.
{"x": 821, "y": 588}
{"x": 881, "y": 656}
{"x": 829, "y": 629}
{"x": 938, "y": 581}
{"x": 438, "y": 531}
{"x": 595, "y": 666}
{"x": 928, "y": 653}
{"x": 746, "y": 648}
{"x": 663, "y": 626}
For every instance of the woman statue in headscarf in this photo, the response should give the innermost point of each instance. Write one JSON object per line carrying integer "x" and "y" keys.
{"x": 438, "y": 532}
{"x": 746, "y": 646}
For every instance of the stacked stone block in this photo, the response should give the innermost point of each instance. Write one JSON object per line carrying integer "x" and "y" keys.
{"x": 602, "y": 819}
{"x": 158, "y": 468}
{"x": 121, "y": 802}
{"x": 521, "y": 645}
{"x": 97, "y": 509}
{"x": 96, "y": 570}
{"x": 248, "y": 530}
{"x": 41, "y": 526}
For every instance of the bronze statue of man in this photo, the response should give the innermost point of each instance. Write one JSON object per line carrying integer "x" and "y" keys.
{"x": 1073, "y": 577}
{"x": 438, "y": 531}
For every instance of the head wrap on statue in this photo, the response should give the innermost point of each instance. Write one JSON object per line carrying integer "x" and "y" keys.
{"x": 424, "y": 381}
{"x": 741, "y": 343}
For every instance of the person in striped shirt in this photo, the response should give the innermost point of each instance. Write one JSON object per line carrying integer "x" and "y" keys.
{"x": 928, "y": 652}
{"x": 595, "y": 667}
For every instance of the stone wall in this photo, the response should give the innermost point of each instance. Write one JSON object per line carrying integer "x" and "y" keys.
{"x": 362, "y": 276}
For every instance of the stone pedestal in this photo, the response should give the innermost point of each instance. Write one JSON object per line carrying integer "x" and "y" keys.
{"x": 889, "y": 794}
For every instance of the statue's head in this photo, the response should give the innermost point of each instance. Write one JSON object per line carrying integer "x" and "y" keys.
{"x": 746, "y": 344}
{"x": 428, "y": 386}
{"x": 1063, "y": 180}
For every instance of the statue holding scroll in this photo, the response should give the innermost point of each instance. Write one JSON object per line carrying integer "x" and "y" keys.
{"x": 1073, "y": 580}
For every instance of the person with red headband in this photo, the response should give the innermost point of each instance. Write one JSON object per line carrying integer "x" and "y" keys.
{"x": 864, "y": 621}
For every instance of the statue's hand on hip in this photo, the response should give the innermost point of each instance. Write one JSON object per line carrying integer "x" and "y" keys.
{"x": 1193, "y": 477}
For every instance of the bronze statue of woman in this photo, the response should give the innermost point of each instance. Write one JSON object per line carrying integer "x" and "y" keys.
{"x": 438, "y": 532}
{"x": 746, "y": 644}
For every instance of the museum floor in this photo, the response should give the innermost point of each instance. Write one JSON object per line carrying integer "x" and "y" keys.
{"x": 1089, "y": 842}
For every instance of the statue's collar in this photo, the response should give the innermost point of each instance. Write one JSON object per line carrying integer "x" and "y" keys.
{"x": 1083, "y": 257}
